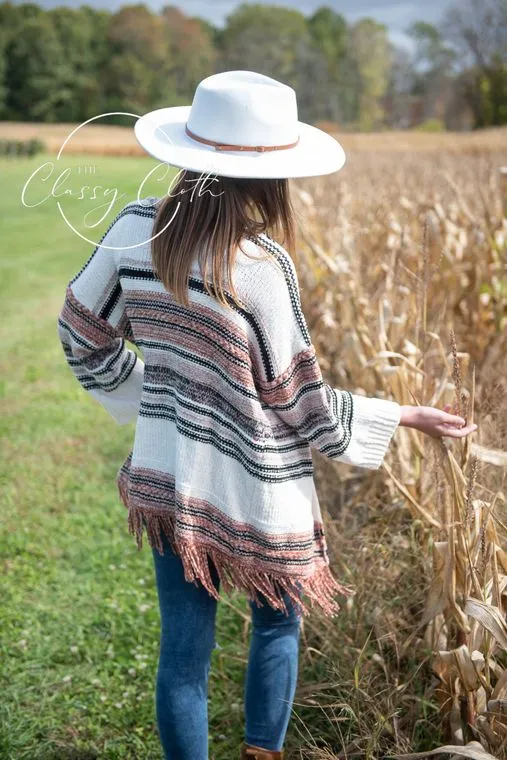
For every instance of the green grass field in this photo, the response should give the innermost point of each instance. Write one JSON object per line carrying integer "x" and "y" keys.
{"x": 79, "y": 631}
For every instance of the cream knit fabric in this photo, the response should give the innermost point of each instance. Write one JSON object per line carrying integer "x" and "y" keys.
{"x": 228, "y": 405}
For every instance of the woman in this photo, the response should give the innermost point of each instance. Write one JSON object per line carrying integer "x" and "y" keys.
{"x": 229, "y": 400}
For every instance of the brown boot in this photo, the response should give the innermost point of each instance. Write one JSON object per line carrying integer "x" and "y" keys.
{"x": 250, "y": 752}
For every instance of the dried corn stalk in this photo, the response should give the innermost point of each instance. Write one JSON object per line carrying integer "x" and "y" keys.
{"x": 416, "y": 282}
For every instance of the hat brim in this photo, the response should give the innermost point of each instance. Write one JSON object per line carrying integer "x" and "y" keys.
{"x": 162, "y": 134}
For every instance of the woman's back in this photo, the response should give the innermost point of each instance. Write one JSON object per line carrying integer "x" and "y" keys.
{"x": 228, "y": 404}
{"x": 204, "y": 366}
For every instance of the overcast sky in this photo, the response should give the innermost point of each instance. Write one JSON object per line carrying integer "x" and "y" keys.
{"x": 396, "y": 14}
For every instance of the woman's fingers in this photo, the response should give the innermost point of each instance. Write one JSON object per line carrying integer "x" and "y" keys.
{"x": 451, "y": 419}
{"x": 459, "y": 432}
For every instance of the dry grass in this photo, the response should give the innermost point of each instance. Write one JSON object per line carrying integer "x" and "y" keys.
{"x": 402, "y": 271}
{"x": 103, "y": 139}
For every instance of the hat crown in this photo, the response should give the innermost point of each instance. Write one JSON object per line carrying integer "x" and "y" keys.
{"x": 244, "y": 108}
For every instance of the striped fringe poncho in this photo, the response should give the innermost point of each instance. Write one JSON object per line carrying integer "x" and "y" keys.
{"x": 227, "y": 404}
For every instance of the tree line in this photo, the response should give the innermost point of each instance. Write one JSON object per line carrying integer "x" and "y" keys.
{"x": 69, "y": 64}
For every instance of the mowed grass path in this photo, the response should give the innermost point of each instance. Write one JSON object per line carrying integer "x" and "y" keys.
{"x": 80, "y": 625}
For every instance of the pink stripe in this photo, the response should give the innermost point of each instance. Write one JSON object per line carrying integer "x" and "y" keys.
{"x": 250, "y": 575}
{"x": 203, "y": 346}
{"x": 301, "y": 371}
{"x": 227, "y": 326}
{"x": 91, "y": 327}
{"x": 148, "y": 497}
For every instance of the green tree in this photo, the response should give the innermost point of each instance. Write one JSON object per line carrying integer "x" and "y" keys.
{"x": 478, "y": 31}
{"x": 92, "y": 94}
{"x": 496, "y": 82}
{"x": 369, "y": 62}
{"x": 3, "y": 70}
{"x": 434, "y": 61}
{"x": 212, "y": 31}
{"x": 264, "y": 38}
{"x": 37, "y": 72}
{"x": 82, "y": 38}
{"x": 138, "y": 73}
{"x": 328, "y": 31}
{"x": 431, "y": 50}
{"x": 192, "y": 51}
{"x": 64, "y": 83}
{"x": 317, "y": 93}
{"x": 127, "y": 85}
{"x": 277, "y": 42}
{"x": 12, "y": 18}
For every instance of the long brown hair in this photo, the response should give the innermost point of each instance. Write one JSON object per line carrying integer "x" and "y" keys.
{"x": 211, "y": 215}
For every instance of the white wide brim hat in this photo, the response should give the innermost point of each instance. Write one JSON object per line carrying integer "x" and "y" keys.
{"x": 248, "y": 111}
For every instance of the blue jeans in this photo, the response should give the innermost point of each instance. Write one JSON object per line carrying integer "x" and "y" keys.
{"x": 187, "y": 639}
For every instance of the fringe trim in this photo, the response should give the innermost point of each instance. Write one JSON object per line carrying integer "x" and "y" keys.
{"x": 320, "y": 588}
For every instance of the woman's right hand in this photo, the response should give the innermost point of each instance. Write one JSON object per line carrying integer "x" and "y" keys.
{"x": 435, "y": 422}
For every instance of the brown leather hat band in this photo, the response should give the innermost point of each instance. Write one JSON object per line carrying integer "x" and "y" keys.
{"x": 223, "y": 146}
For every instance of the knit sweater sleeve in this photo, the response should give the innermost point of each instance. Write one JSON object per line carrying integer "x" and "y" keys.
{"x": 343, "y": 426}
{"x": 93, "y": 326}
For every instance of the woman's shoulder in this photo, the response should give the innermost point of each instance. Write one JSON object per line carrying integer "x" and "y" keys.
{"x": 267, "y": 275}
{"x": 263, "y": 247}
{"x": 131, "y": 225}
{"x": 139, "y": 209}
{"x": 270, "y": 261}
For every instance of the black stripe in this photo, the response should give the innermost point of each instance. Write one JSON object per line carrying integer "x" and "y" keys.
{"x": 245, "y": 535}
{"x": 310, "y": 360}
{"x": 84, "y": 313}
{"x": 198, "y": 360}
{"x": 110, "y": 361}
{"x": 89, "y": 382}
{"x": 172, "y": 378}
{"x": 234, "y": 547}
{"x": 261, "y": 472}
{"x": 302, "y": 390}
{"x": 111, "y": 302}
{"x": 256, "y": 447}
{"x": 336, "y": 449}
{"x": 198, "y": 285}
{"x": 164, "y": 381}
{"x": 273, "y": 247}
{"x": 78, "y": 362}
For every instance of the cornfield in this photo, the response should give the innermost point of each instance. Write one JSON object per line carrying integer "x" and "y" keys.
{"x": 402, "y": 261}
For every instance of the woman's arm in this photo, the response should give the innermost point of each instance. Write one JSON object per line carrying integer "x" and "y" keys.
{"x": 93, "y": 326}
{"x": 341, "y": 425}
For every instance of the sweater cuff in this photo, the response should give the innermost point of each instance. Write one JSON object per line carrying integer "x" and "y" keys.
{"x": 123, "y": 403}
{"x": 374, "y": 421}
